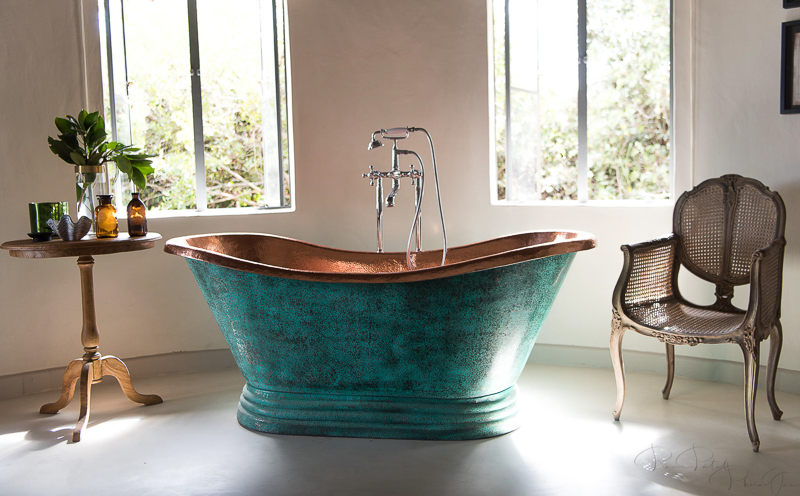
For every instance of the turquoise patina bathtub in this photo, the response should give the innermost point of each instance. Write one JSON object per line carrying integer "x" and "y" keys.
{"x": 344, "y": 343}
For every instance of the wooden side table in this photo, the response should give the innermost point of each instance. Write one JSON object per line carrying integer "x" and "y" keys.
{"x": 92, "y": 367}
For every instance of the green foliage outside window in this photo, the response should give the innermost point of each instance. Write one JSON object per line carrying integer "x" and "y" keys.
{"x": 629, "y": 110}
{"x": 628, "y": 107}
{"x": 238, "y": 99}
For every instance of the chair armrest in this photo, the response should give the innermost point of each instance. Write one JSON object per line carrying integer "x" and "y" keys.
{"x": 766, "y": 282}
{"x": 648, "y": 272}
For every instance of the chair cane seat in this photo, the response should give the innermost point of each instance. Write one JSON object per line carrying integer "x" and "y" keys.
{"x": 675, "y": 317}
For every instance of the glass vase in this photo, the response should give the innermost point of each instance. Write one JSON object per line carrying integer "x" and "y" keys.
{"x": 105, "y": 217}
{"x": 137, "y": 216}
{"x": 90, "y": 181}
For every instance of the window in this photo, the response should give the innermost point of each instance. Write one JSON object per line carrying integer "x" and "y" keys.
{"x": 598, "y": 129}
{"x": 202, "y": 84}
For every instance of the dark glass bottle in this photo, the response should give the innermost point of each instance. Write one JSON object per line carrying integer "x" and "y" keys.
{"x": 137, "y": 216}
{"x": 105, "y": 218}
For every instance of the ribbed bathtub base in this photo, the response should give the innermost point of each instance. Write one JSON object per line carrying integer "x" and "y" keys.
{"x": 378, "y": 417}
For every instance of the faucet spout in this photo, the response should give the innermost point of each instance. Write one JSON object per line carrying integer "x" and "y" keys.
{"x": 396, "y": 174}
{"x": 393, "y": 193}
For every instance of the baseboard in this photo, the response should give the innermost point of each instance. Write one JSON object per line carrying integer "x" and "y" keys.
{"x": 703, "y": 369}
{"x": 189, "y": 362}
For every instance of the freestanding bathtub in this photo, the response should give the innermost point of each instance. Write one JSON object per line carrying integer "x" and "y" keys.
{"x": 345, "y": 343}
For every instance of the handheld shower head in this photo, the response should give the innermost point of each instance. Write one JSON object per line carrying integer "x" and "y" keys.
{"x": 395, "y": 133}
{"x": 375, "y": 143}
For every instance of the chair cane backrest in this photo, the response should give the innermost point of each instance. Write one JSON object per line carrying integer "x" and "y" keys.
{"x": 722, "y": 222}
{"x": 770, "y": 285}
{"x": 754, "y": 226}
{"x": 699, "y": 219}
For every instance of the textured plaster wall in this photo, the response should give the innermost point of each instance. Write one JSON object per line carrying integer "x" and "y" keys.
{"x": 358, "y": 66}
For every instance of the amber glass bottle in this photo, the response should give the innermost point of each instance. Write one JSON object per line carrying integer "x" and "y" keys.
{"x": 137, "y": 218}
{"x": 105, "y": 218}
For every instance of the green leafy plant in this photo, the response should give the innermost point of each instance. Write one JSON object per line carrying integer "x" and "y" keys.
{"x": 83, "y": 141}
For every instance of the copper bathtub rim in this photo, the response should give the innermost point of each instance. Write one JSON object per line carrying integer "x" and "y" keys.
{"x": 581, "y": 241}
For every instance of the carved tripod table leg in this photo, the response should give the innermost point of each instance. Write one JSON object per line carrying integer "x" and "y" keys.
{"x": 71, "y": 376}
{"x": 92, "y": 367}
{"x": 113, "y": 366}
{"x": 87, "y": 377}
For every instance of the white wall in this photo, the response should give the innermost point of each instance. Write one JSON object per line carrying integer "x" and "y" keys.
{"x": 359, "y": 65}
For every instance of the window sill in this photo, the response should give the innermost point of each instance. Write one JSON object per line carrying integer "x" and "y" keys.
{"x": 590, "y": 203}
{"x": 214, "y": 212}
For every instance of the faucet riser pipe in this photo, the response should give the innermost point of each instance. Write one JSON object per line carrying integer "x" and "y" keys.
{"x": 395, "y": 172}
{"x": 379, "y": 206}
{"x": 418, "y": 191}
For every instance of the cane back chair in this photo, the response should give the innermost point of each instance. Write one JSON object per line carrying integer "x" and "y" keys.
{"x": 728, "y": 231}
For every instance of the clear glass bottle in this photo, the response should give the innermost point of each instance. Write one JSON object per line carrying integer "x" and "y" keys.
{"x": 91, "y": 182}
{"x": 105, "y": 217}
{"x": 137, "y": 216}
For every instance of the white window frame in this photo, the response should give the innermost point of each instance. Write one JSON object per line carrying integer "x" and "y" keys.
{"x": 197, "y": 117}
{"x": 682, "y": 102}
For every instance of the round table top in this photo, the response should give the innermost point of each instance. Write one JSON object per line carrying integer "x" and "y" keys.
{"x": 89, "y": 245}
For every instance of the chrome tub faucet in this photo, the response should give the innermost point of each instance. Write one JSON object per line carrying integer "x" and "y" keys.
{"x": 395, "y": 174}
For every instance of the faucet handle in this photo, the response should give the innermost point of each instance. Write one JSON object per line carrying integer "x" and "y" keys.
{"x": 414, "y": 174}
{"x": 371, "y": 176}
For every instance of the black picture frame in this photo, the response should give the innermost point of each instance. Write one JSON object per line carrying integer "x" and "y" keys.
{"x": 790, "y": 67}
{"x": 791, "y": 4}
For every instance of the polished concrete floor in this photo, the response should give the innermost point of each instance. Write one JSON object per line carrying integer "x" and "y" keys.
{"x": 695, "y": 443}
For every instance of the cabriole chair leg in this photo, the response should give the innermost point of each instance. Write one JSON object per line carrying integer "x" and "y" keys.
{"x": 619, "y": 369}
{"x": 775, "y": 344}
{"x": 670, "y": 371}
{"x": 750, "y": 385}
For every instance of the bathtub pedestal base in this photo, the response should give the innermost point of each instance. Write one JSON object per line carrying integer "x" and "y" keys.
{"x": 342, "y": 415}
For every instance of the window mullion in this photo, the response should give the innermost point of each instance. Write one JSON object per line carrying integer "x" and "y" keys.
{"x": 583, "y": 148}
{"x": 128, "y": 137}
{"x": 279, "y": 125}
{"x": 118, "y": 110}
{"x": 509, "y": 159}
{"x": 112, "y": 97}
{"x": 197, "y": 110}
